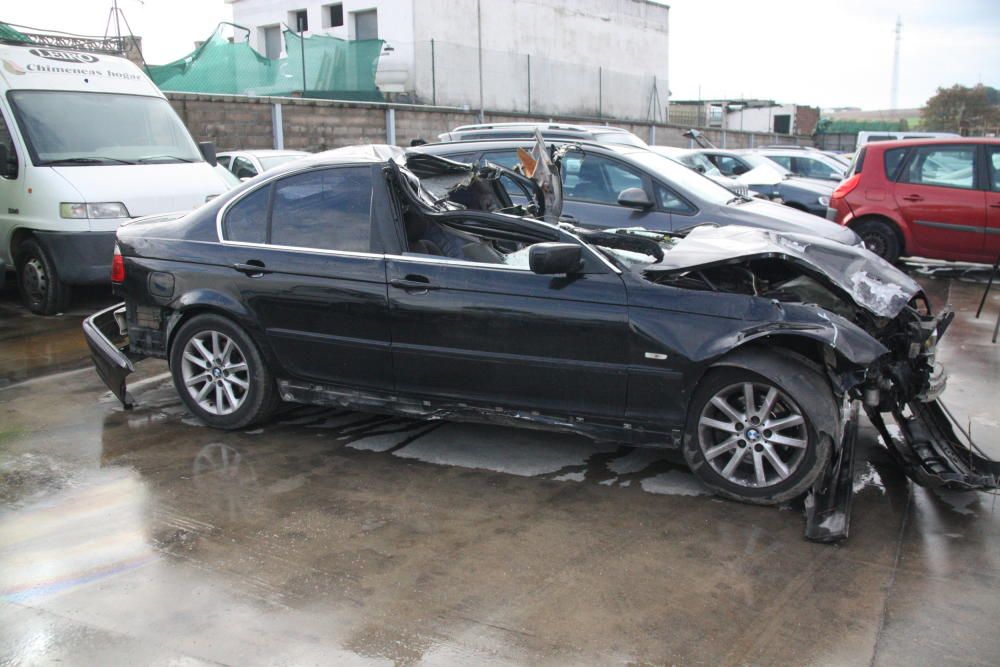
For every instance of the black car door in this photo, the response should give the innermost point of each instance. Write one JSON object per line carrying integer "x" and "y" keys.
{"x": 312, "y": 275}
{"x": 498, "y": 334}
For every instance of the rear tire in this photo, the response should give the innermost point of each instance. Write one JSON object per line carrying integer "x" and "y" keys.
{"x": 38, "y": 282}
{"x": 732, "y": 450}
{"x": 880, "y": 238}
{"x": 219, "y": 373}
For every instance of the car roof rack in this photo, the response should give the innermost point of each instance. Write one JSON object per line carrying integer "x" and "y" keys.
{"x": 790, "y": 147}
{"x": 19, "y": 35}
{"x": 568, "y": 127}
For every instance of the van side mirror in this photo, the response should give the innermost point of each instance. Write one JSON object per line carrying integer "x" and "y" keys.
{"x": 4, "y": 161}
{"x": 635, "y": 198}
{"x": 555, "y": 258}
{"x": 207, "y": 149}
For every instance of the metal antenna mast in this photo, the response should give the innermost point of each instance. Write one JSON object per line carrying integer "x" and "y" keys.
{"x": 894, "y": 100}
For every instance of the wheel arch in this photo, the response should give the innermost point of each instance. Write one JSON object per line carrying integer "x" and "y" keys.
{"x": 17, "y": 237}
{"x": 211, "y": 302}
{"x": 901, "y": 233}
{"x": 789, "y": 362}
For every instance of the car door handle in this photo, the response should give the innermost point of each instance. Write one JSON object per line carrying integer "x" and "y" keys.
{"x": 997, "y": 205}
{"x": 413, "y": 284}
{"x": 913, "y": 198}
{"x": 566, "y": 217}
{"x": 253, "y": 268}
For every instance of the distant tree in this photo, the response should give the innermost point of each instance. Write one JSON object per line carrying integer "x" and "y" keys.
{"x": 967, "y": 111}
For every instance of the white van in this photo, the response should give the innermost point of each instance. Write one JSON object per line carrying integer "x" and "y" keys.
{"x": 869, "y": 136}
{"x": 86, "y": 142}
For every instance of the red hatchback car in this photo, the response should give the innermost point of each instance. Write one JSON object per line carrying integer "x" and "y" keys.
{"x": 936, "y": 198}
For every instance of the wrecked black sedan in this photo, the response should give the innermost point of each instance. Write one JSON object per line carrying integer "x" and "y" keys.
{"x": 410, "y": 284}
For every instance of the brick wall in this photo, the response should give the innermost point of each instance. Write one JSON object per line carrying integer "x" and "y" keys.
{"x": 238, "y": 122}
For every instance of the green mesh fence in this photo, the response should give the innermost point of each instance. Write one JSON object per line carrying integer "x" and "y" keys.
{"x": 331, "y": 69}
{"x": 7, "y": 32}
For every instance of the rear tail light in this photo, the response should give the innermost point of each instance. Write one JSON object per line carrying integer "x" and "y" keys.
{"x": 117, "y": 266}
{"x": 846, "y": 187}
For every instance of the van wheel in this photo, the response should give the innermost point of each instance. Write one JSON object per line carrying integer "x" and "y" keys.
{"x": 219, "y": 373}
{"x": 38, "y": 281}
{"x": 880, "y": 238}
{"x": 749, "y": 440}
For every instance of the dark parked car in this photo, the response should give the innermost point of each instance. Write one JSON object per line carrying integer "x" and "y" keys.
{"x": 672, "y": 197}
{"x": 805, "y": 194}
{"x": 416, "y": 288}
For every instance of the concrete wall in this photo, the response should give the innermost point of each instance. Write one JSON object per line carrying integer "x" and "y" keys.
{"x": 592, "y": 57}
{"x": 235, "y": 122}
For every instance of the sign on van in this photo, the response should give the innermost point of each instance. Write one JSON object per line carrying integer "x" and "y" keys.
{"x": 65, "y": 56}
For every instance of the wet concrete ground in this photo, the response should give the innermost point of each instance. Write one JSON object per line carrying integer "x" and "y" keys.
{"x": 329, "y": 537}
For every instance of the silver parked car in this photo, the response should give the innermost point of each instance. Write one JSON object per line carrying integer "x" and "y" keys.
{"x": 247, "y": 164}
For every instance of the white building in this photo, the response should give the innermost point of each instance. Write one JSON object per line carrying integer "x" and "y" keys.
{"x": 578, "y": 57}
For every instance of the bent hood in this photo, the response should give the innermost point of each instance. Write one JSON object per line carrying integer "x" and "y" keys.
{"x": 871, "y": 282}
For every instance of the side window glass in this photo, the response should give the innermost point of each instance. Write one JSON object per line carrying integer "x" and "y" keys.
{"x": 945, "y": 166}
{"x": 246, "y": 220}
{"x": 892, "y": 158}
{"x": 669, "y": 201}
{"x": 597, "y": 179}
{"x": 509, "y": 160}
{"x": 784, "y": 161}
{"x": 812, "y": 168}
{"x": 993, "y": 160}
{"x": 727, "y": 165}
{"x": 326, "y": 210}
{"x": 8, "y": 169}
{"x": 243, "y": 168}
{"x": 224, "y": 160}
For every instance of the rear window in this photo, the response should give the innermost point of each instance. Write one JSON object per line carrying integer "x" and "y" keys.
{"x": 858, "y": 163}
{"x": 893, "y": 158}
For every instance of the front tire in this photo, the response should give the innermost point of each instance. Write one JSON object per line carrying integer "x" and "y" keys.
{"x": 219, "y": 373}
{"x": 38, "y": 282}
{"x": 749, "y": 440}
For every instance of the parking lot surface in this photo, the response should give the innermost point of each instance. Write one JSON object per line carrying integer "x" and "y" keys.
{"x": 337, "y": 537}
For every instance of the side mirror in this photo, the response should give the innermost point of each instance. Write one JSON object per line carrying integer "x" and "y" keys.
{"x": 4, "y": 160}
{"x": 207, "y": 149}
{"x": 634, "y": 198}
{"x": 555, "y": 258}
{"x": 739, "y": 170}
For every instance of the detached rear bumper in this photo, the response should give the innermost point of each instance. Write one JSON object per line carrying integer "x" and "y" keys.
{"x": 108, "y": 341}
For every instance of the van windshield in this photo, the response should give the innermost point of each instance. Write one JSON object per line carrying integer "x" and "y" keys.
{"x": 75, "y": 128}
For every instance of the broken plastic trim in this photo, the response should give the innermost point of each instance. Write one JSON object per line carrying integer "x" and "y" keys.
{"x": 930, "y": 451}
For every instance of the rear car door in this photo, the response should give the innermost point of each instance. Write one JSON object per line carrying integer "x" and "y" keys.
{"x": 591, "y": 185}
{"x": 310, "y": 269}
{"x": 992, "y": 201}
{"x": 501, "y": 335}
{"x": 938, "y": 196}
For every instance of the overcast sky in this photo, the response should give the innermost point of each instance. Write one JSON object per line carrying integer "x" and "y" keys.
{"x": 825, "y": 54}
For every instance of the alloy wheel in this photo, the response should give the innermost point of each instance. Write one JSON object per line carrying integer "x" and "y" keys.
{"x": 215, "y": 372}
{"x": 752, "y": 434}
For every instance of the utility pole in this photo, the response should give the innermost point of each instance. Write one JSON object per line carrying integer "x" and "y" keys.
{"x": 894, "y": 101}
{"x": 479, "y": 32}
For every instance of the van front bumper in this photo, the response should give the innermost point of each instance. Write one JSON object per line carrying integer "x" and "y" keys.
{"x": 81, "y": 258}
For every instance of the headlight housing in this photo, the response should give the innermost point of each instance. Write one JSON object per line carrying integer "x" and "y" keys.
{"x": 824, "y": 201}
{"x": 110, "y": 209}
